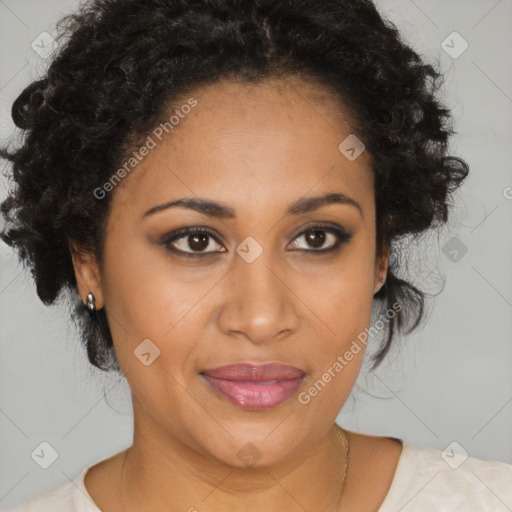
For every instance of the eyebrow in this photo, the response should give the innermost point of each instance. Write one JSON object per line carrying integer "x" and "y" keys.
{"x": 222, "y": 211}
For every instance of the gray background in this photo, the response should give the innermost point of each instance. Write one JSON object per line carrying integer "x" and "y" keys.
{"x": 451, "y": 381}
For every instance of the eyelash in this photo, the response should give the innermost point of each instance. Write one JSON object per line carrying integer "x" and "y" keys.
{"x": 342, "y": 238}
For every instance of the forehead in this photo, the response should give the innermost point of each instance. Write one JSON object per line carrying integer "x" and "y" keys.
{"x": 250, "y": 144}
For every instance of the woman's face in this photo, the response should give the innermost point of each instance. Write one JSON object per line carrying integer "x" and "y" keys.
{"x": 259, "y": 287}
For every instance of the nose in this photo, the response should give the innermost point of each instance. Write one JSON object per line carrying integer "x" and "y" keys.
{"x": 259, "y": 305}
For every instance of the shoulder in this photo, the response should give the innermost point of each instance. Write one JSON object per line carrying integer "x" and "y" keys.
{"x": 57, "y": 498}
{"x": 74, "y": 496}
{"x": 429, "y": 478}
{"x": 67, "y": 497}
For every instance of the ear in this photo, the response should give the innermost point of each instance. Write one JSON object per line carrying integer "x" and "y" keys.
{"x": 87, "y": 275}
{"x": 381, "y": 268}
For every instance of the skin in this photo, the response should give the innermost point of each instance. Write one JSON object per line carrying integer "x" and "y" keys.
{"x": 255, "y": 148}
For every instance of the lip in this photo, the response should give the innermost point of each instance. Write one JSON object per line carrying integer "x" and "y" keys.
{"x": 254, "y": 386}
{"x": 255, "y": 372}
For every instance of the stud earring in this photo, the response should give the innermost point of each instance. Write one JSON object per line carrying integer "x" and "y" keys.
{"x": 91, "y": 303}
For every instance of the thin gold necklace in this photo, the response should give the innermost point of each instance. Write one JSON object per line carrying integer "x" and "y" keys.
{"x": 346, "y": 446}
{"x": 341, "y": 434}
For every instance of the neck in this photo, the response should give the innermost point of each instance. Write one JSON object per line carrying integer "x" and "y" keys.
{"x": 161, "y": 471}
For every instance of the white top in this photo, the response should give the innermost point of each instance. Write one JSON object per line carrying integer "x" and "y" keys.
{"x": 423, "y": 482}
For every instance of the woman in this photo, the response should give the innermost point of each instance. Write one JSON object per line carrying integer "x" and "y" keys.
{"x": 218, "y": 184}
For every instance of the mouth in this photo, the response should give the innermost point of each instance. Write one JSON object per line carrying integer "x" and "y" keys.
{"x": 254, "y": 387}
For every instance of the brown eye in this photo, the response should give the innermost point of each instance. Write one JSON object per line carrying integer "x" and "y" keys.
{"x": 317, "y": 237}
{"x": 192, "y": 242}
{"x": 198, "y": 242}
{"x": 201, "y": 242}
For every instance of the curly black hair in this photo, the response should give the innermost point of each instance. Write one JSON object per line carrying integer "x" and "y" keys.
{"x": 121, "y": 63}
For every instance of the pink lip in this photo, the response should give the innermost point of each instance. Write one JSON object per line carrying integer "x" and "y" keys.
{"x": 255, "y": 387}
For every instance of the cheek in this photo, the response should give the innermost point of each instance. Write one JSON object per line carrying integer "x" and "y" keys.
{"x": 344, "y": 310}
{"x": 340, "y": 298}
{"x": 340, "y": 308}
{"x": 156, "y": 325}
{"x": 147, "y": 301}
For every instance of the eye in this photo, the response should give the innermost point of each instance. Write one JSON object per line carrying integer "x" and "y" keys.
{"x": 197, "y": 239}
{"x": 199, "y": 242}
{"x": 318, "y": 235}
